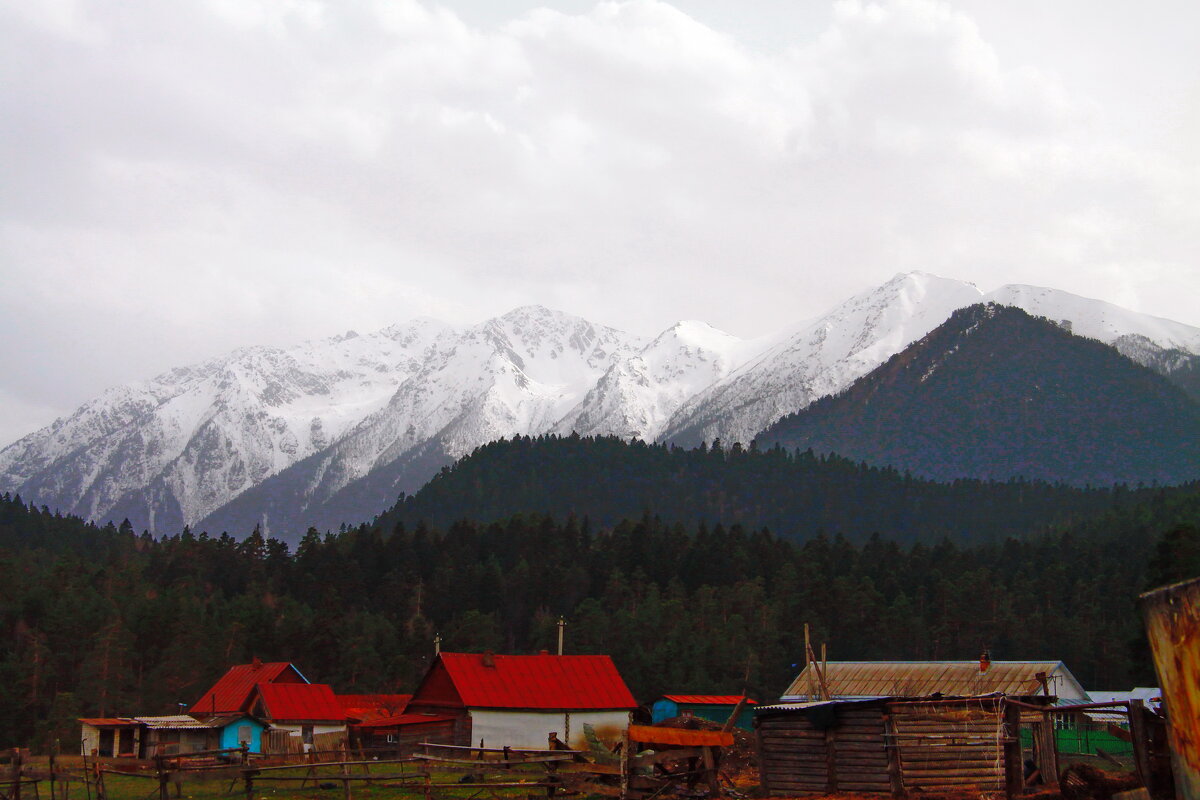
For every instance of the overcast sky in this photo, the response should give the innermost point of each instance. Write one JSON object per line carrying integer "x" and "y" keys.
{"x": 179, "y": 179}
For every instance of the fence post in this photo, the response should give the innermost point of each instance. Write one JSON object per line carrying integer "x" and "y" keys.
{"x": 16, "y": 770}
{"x": 1139, "y": 738}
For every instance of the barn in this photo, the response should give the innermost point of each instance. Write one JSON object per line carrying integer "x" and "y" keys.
{"x": 519, "y": 700}
{"x": 871, "y": 679}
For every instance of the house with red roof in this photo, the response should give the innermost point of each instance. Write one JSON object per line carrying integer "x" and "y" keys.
{"x": 518, "y": 701}
{"x": 368, "y": 707}
{"x": 301, "y": 716}
{"x": 234, "y": 692}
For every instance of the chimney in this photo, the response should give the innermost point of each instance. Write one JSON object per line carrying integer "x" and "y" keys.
{"x": 256, "y": 663}
{"x": 489, "y": 659}
{"x": 543, "y": 652}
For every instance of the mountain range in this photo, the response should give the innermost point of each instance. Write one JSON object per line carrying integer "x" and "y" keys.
{"x": 334, "y": 430}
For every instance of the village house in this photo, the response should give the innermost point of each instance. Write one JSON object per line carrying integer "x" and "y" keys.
{"x": 846, "y": 680}
{"x": 712, "y": 707}
{"x": 234, "y": 691}
{"x": 519, "y": 700}
{"x": 301, "y": 716}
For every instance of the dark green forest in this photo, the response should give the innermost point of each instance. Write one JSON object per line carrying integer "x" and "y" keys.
{"x": 796, "y": 495}
{"x": 102, "y": 620}
{"x": 993, "y": 393}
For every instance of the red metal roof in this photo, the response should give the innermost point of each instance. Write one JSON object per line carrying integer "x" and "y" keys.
{"x": 233, "y": 691}
{"x": 709, "y": 699}
{"x": 308, "y": 702}
{"x": 537, "y": 682}
{"x": 401, "y": 720}
{"x": 364, "y": 707}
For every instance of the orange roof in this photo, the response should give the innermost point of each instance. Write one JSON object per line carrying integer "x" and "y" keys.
{"x": 682, "y": 737}
{"x": 233, "y": 691}
{"x": 365, "y": 707}
{"x": 709, "y": 699}
{"x": 308, "y": 702}
{"x": 108, "y": 722}
{"x": 537, "y": 682}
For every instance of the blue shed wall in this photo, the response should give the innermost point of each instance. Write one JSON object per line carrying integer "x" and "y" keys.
{"x": 229, "y": 734}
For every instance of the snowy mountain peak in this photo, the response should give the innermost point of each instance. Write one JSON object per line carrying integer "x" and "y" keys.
{"x": 331, "y": 430}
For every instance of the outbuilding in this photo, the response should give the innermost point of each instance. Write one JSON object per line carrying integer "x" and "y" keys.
{"x": 847, "y": 680}
{"x": 519, "y": 700}
{"x": 712, "y": 707}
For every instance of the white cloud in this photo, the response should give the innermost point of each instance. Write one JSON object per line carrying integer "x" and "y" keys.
{"x": 216, "y": 173}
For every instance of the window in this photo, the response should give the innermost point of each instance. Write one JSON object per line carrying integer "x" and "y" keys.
{"x": 245, "y": 734}
{"x": 306, "y": 734}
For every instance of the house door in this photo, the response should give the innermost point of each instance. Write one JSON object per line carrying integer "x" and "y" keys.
{"x": 126, "y": 743}
{"x": 106, "y": 743}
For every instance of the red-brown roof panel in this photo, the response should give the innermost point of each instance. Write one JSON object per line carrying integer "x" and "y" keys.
{"x": 307, "y": 702}
{"x": 233, "y": 691}
{"x": 709, "y": 699}
{"x": 538, "y": 682}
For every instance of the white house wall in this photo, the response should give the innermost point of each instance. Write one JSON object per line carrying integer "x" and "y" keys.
{"x": 531, "y": 729}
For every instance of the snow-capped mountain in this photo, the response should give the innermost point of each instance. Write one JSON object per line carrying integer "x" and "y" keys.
{"x": 821, "y": 357}
{"x": 333, "y": 430}
{"x": 170, "y": 450}
{"x": 637, "y": 395}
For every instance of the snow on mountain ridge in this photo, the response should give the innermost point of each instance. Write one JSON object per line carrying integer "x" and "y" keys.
{"x": 341, "y": 425}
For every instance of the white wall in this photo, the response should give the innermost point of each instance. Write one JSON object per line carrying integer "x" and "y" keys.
{"x": 531, "y": 729}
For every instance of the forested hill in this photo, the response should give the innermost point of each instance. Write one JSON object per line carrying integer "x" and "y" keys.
{"x": 795, "y": 495}
{"x": 101, "y": 621}
{"x": 995, "y": 393}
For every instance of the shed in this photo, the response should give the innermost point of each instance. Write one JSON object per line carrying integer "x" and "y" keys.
{"x": 405, "y": 731}
{"x": 110, "y": 737}
{"x": 234, "y": 691}
{"x": 234, "y": 730}
{"x": 866, "y": 679}
{"x": 519, "y": 700}
{"x": 177, "y": 733}
{"x": 713, "y": 707}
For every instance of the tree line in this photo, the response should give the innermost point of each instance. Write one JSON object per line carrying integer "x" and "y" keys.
{"x": 101, "y": 620}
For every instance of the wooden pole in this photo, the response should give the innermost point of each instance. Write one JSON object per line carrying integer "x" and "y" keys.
{"x": 87, "y": 783}
{"x": 895, "y": 771}
{"x": 53, "y": 752}
{"x": 345, "y": 771}
{"x": 1140, "y": 739}
{"x": 626, "y": 764}
{"x": 16, "y": 772}
{"x": 1014, "y": 768}
{"x": 808, "y": 662}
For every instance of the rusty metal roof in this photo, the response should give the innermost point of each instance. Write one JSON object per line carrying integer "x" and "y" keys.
{"x": 109, "y": 722}
{"x": 366, "y": 707}
{"x": 952, "y": 678}
{"x": 709, "y": 699}
{"x": 683, "y": 737}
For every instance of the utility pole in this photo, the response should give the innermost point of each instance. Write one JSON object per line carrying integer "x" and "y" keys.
{"x": 562, "y": 623}
{"x": 437, "y": 644}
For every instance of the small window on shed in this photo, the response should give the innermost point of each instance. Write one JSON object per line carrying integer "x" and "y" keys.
{"x": 245, "y": 734}
{"x": 306, "y": 734}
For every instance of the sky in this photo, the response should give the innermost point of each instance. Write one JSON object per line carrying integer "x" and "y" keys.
{"x": 181, "y": 179}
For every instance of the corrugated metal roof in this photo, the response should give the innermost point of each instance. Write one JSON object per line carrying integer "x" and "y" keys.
{"x": 683, "y": 737}
{"x": 401, "y": 720}
{"x": 924, "y": 678}
{"x": 178, "y": 721}
{"x": 364, "y": 707}
{"x": 308, "y": 702}
{"x": 538, "y": 682}
{"x": 709, "y": 699}
{"x": 232, "y": 692}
